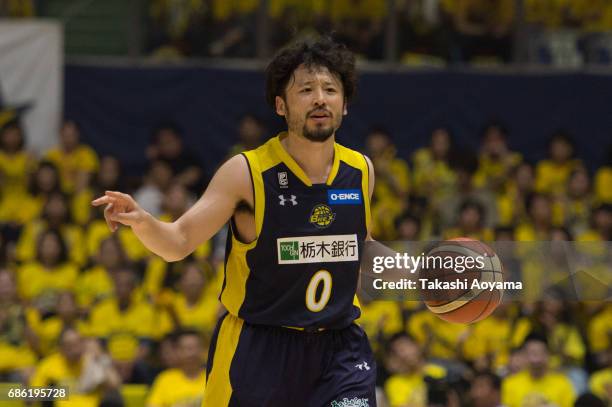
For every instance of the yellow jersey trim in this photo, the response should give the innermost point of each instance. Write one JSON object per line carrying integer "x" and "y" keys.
{"x": 218, "y": 391}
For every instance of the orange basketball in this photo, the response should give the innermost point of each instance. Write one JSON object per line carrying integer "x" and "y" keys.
{"x": 458, "y": 289}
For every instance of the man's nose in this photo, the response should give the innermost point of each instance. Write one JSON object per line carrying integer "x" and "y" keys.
{"x": 319, "y": 97}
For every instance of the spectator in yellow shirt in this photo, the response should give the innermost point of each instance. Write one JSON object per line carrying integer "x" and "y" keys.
{"x": 82, "y": 367}
{"x": 496, "y": 162}
{"x": 190, "y": 307}
{"x": 392, "y": 185}
{"x": 76, "y": 161}
{"x": 483, "y": 28}
{"x": 41, "y": 280}
{"x": 575, "y": 207}
{"x": 184, "y": 385}
{"x": 485, "y": 390}
{"x": 465, "y": 165}
{"x": 44, "y": 182}
{"x": 56, "y": 215}
{"x": 548, "y": 14}
{"x": 552, "y": 173}
{"x": 433, "y": 177}
{"x": 96, "y": 283}
{"x": 600, "y": 335}
{"x": 407, "y": 387}
{"x": 603, "y": 180}
{"x": 167, "y": 145}
{"x": 128, "y": 325}
{"x": 17, "y": 342}
{"x": 512, "y": 204}
{"x": 539, "y": 224}
{"x": 537, "y": 385}
{"x": 470, "y": 223}
{"x": 16, "y": 167}
{"x": 48, "y": 328}
{"x": 601, "y": 381}
{"x": 107, "y": 178}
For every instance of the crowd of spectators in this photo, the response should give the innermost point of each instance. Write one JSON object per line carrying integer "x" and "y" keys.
{"x": 94, "y": 310}
{"x": 426, "y": 31}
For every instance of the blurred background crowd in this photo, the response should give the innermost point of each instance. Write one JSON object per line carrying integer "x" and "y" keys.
{"x": 94, "y": 310}
{"x": 83, "y": 307}
{"x": 422, "y": 32}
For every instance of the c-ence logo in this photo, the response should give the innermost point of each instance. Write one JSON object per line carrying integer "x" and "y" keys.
{"x": 289, "y": 251}
{"x": 344, "y": 197}
{"x": 354, "y": 402}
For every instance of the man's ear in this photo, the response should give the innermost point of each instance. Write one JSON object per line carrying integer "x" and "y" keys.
{"x": 280, "y": 106}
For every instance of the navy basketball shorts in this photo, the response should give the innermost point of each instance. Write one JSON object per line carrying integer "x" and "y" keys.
{"x": 262, "y": 366}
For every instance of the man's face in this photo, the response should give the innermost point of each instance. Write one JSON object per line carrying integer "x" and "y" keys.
{"x": 537, "y": 357}
{"x": 71, "y": 346}
{"x": 314, "y": 103}
{"x": 189, "y": 350}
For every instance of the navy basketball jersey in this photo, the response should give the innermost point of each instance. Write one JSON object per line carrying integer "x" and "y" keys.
{"x": 303, "y": 268}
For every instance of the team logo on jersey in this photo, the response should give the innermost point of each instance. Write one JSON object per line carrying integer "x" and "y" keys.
{"x": 343, "y": 196}
{"x": 283, "y": 179}
{"x": 354, "y": 402}
{"x": 322, "y": 216}
{"x": 317, "y": 249}
{"x": 282, "y": 200}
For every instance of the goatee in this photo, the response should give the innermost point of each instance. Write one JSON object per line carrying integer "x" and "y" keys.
{"x": 318, "y": 135}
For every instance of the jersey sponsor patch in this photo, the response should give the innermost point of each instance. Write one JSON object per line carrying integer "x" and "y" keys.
{"x": 317, "y": 249}
{"x": 344, "y": 196}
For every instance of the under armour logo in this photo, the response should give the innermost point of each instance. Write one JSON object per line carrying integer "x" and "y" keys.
{"x": 362, "y": 366}
{"x": 282, "y": 199}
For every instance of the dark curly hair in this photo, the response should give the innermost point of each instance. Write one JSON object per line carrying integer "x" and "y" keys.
{"x": 314, "y": 52}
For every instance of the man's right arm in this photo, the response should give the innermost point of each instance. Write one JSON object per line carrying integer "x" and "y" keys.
{"x": 174, "y": 241}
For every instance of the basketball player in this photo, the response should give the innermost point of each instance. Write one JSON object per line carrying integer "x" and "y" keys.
{"x": 298, "y": 212}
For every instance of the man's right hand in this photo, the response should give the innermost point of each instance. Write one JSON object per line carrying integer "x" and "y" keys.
{"x": 120, "y": 209}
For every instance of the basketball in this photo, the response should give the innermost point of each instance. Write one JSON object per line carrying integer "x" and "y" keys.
{"x": 461, "y": 280}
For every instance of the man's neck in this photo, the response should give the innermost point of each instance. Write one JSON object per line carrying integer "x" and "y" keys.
{"x": 315, "y": 158}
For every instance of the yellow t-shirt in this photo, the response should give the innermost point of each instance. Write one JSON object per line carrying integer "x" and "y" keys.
{"x": 442, "y": 337}
{"x": 224, "y": 9}
{"x": 521, "y": 390}
{"x": 55, "y": 369}
{"x": 603, "y": 180}
{"x": 490, "y": 170}
{"x": 82, "y": 159}
{"x": 491, "y": 336}
{"x": 139, "y": 319}
{"x": 93, "y": 285}
{"x": 563, "y": 340}
{"x": 343, "y": 10}
{"x": 173, "y": 388}
{"x": 600, "y": 330}
{"x": 33, "y": 279}
{"x": 411, "y": 389}
{"x": 48, "y": 331}
{"x": 381, "y": 316}
{"x": 72, "y": 235}
{"x": 552, "y": 177}
{"x": 201, "y": 316}
{"x": 98, "y": 231}
{"x": 601, "y": 384}
{"x": 431, "y": 178}
{"x": 15, "y": 170}
{"x": 593, "y": 15}
{"x": 549, "y": 13}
